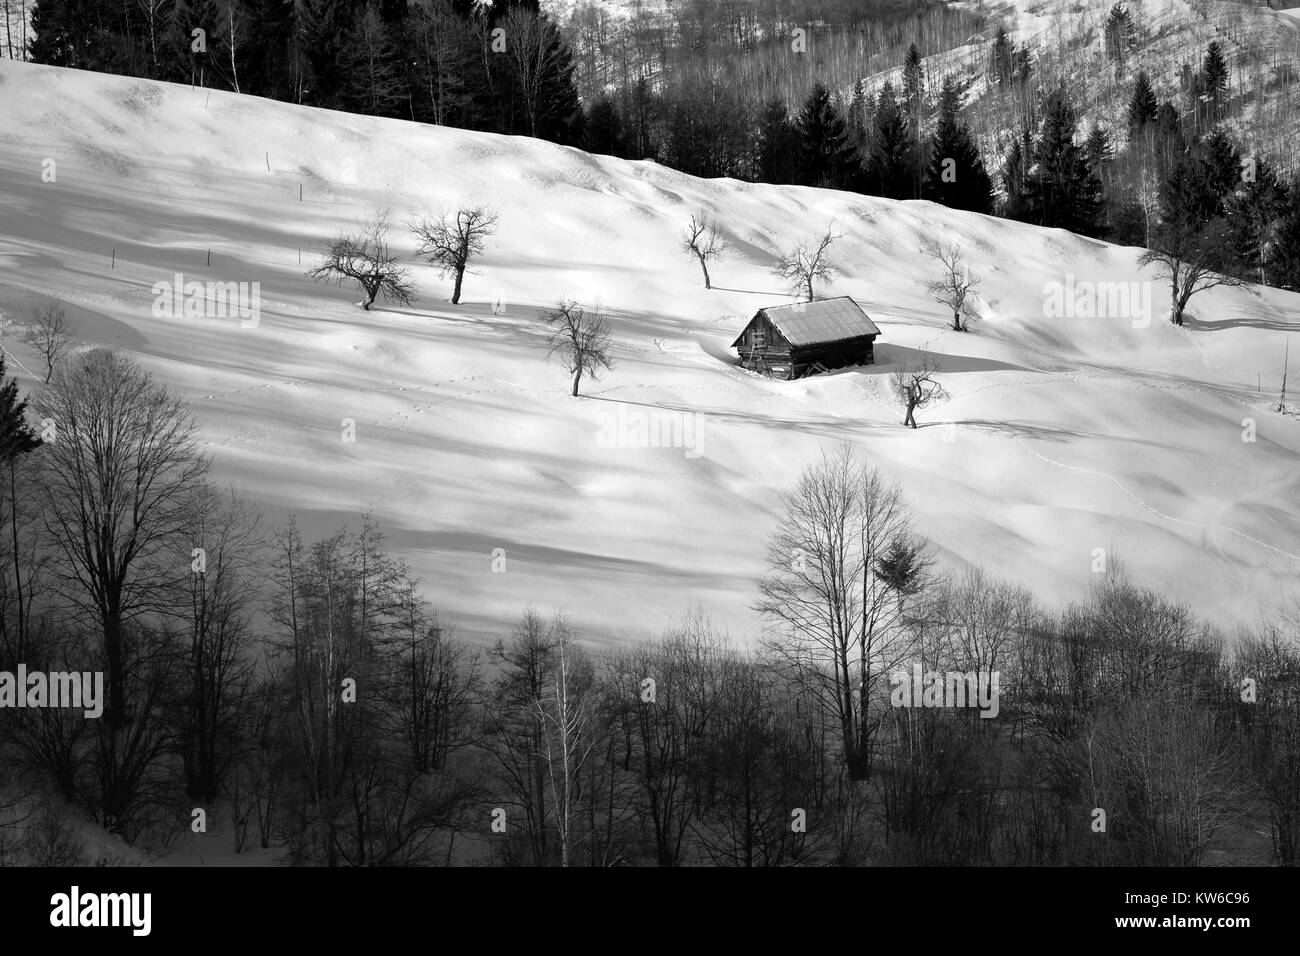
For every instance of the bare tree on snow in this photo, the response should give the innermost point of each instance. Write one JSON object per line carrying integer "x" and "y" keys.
{"x": 51, "y": 336}
{"x": 916, "y": 386}
{"x": 364, "y": 257}
{"x": 702, "y": 241}
{"x": 807, "y": 263}
{"x": 954, "y": 283}
{"x": 580, "y": 338}
{"x": 451, "y": 241}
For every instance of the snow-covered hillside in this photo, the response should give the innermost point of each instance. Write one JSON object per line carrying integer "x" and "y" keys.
{"x": 1069, "y": 434}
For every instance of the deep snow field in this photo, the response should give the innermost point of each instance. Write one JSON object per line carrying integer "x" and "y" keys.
{"x": 1067, "y": 433}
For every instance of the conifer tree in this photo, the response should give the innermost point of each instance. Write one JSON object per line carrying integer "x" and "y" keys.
{"x": 1014, "y": 172}
{"x": 1142, "y": 107}
{"x": 913, "y": 80}
{"x": 1008, "y": 63}
{"x": 1257, "y": 212}
{"x": 778, "y": 144}
{"x": 829, "y": 158}
{"x": 1286, "y": 250}
{"x": 1214, "y": 80}
{"x": 889, "y": 168}
{"x": 956, "y": 176}
{"x": 1061, "y": 189}
{"x": 1119, "y": 35}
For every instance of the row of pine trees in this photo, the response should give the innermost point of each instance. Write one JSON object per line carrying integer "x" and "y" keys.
{"x": 1179, "y": 174}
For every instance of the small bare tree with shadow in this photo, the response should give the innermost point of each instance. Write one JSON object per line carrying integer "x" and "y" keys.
{"x": 916, "y": 385}
{"x": 701, "y": 240}
{"x": 581, "y": 339}
{"x": 452, "y": 240}
{"x": 51, "y": 335}
{"x": 954, "y": 283}
{"x": 1185, "y": 256}
{"x": 364, "y": 257}
{"x": 806, "y": 263}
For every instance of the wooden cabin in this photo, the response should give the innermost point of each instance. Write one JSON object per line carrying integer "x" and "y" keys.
{"x": 790, "y": 341}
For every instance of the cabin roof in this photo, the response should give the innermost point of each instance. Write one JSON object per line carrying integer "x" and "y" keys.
{"x": 813, "y": 323}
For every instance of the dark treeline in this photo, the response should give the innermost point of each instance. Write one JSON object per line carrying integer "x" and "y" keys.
{"x": 503, "y": 67}
{"x": 1181, "y": 187}
{"x": 304, "y": 694}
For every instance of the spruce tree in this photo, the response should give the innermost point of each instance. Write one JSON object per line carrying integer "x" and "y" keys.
{"x": 603, "y": 130}
{"x": 1286, "y": 249}
{"x": 1098, "y": 147}
{"x": 1119, "y": 33}
{"x": 858, "y": 118}
{"x": 829, "y": 158}
{"x": 1189, "y": 195}
{"x": 1061, "y": 188}
{"x": 1257, "y": 212}
{"x": 913, "y": 80}
{"x": 1142, "y": 107}
{"x": 1214, "y": 80}
{"x": 890, "y": 165}
{"x": 1008, "y": 63}
{"x": 1223, "y": 161}
{"x": 16, "y": 435}
{"x": 778, "y": 145}
{"x": 956, "y": 176}
{"x": 1013, "y": 175}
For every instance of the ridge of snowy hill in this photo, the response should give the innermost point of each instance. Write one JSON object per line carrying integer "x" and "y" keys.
{"x": 1062, "y": 435}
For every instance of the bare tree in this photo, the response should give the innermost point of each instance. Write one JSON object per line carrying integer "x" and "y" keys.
{"x": 806, "y": 263}
{"x": 537, "y": 51}
{"x": 152, "y": 11}
{"x": 364, "y": 257}
{"x": 915, "y": 386}
{"x": 224, "y": 538}
{"x": 51, "y": 336}
{"x": 566, "y": 721}
{"x": 954, "y": 282}
{"x": 118, "y": 479}
{"x": 1186, "y": 257}
{"x": 234, "y": 34}
{"x": 451, "y": 241}
{"x": 581, "y": 339}
{"x": 838, "y": 563}
{"x": 702, "y": 241}
{"x": 442, "y": 59}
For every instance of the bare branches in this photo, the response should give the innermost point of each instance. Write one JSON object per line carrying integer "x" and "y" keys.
{"x": 839, "y": 564}
{"x": 1184, "y": 257}
{"x": 364, "y": 257}
{"x": 51, "y": 336}
{"x": 916, "y": 385}
{"x": 580, "y": 338}
{"x": 954, "y": 283}
{"x": 807, "y": 262}
{"x": 452, "y": 240}
{"x": 701, "y": 240}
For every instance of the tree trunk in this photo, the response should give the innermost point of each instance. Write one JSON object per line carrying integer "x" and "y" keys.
{"x": 18, "y": 574}
{"x": 115, "y": 712}
{"x": 455, "y": 293}
{"x": 911, "y": 407}
{"x": 576, "y": 377}
{"x": 705, "y": 269}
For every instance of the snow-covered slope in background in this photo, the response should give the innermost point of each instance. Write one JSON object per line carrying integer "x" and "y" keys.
{"x": 1069, "y": 434}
